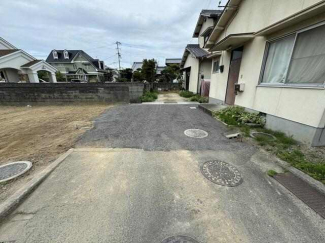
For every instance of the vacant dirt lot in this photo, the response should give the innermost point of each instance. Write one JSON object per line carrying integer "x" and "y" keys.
{"x": 40, "y": 134}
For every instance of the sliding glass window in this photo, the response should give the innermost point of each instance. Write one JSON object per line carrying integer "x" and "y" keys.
{"x": 298, "y": 59}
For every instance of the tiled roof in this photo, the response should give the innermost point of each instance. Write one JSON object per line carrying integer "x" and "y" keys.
{"x": 61, "y": 59}
{"x": 30, "y": 63}
{"x": 210, "y": 13}
{"x": 196, "y": 50}
{"x": 72, "y": 55}
{"x": 7, "y": 52}
{"x": 173, "y": 60}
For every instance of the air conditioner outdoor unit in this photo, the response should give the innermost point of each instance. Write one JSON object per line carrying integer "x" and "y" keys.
{"x": 240, "y": 87}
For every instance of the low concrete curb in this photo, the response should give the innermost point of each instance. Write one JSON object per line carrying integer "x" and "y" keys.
{"x": 13, "y": 201}
{"x": 206, "y": 110}
{"x": 286, "y": 166}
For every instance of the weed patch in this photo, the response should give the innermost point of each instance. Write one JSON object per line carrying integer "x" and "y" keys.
{"x": 149, "y": 97}
{"x": 237, "y": 116}
{"x": 284, "y": 147}
{"x": 200, "y": 99}
{"x": 272, "y": 173}
{"x": 186, "y": 94}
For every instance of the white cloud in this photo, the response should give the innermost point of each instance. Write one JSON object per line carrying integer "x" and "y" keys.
{"x": 147, "y": 28}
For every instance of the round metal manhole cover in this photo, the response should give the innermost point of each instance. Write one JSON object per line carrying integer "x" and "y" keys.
{"x": 196, "y": 133}
{"x": 221, "y": 173}
{"x": 179, "y": 239}
{"x": 13, "y": 170}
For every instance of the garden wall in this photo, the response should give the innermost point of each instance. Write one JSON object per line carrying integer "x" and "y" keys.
{"x": 70, "y": 92}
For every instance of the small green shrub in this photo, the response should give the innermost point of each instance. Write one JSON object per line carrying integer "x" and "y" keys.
{"x": 297, "y": 159}
{"x": 272, "y": 173}
{"x": 186, "y": 94}
{"x": 200, "y": 99}
{"x": 149, "y": 97}
{"x": 235, "y": 115}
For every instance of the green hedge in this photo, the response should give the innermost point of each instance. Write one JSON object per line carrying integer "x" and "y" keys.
{"x": 149, "y": 97}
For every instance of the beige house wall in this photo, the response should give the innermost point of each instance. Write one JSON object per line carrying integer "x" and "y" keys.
{"x": 254, "y": 15}
{"x": 194, "y": 64}
{"x": 300, "y": 105}
{"x": 206, "y": 68}
{"x": 209, "y": 22}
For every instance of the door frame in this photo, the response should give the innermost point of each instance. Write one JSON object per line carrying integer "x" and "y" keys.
{"x": 231, "y": 59}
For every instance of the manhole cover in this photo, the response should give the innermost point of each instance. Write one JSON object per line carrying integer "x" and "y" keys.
{"x": 13, "y": 170}
{"x": 221, "y": 173}
{"x": 179, "y": 239}
{"x": 196, "y": 133}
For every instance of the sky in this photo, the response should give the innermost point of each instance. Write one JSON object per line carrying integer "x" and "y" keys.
{"x": 156, "y": 29}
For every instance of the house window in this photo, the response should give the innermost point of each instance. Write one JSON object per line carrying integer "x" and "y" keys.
{"x": 66, "y": 54}
{"x": 216, "y": 66}
{"x": 296, "y": 59}
{"x": 55, "y": 54}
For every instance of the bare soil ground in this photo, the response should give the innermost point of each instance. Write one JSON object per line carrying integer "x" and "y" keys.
{"x": 40, "y": 134}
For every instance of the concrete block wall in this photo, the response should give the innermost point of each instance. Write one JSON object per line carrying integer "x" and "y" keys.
{"x": 69, "y": 92}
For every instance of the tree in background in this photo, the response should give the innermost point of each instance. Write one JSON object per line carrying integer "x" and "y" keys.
{"x": 171, "y": 72}
{"x": 108, "y": 76}
{"x": 137, "y": 75}
{"x": 125, "y": 75}
{"x": 44, "y": 75}
{"x": 149, "y": 69}
{"x": 59, "y": 77}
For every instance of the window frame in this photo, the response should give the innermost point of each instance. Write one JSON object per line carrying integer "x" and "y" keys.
{"x": 55, "y": 55}
{"x": 286, "y": 84}
{"x": 66, "y": 54}
{"x": 213, "y": 69}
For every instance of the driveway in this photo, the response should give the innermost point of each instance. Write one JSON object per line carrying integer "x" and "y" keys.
{"x": 137, "y": 178}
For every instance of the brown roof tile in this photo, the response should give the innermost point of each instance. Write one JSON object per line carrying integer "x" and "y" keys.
{"x": 7, "y": 52}
{"x": 30, "y": 63}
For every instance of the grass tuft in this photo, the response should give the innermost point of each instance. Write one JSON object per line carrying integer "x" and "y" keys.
{"x": 272, "y": 173}
{"x": 186, "y": 94}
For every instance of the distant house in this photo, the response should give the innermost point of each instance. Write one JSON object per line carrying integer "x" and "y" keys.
{"x": 270, "y": 58}
{"x": 136, "y": 66}
{"x": 17, "y": 65}
{"x": 114, "y": 72}
{"x": 77, "y": 65}
{"x": 159, "y": 69}
{"x": 195, "y": 64}
{"x": 170, "y": 61}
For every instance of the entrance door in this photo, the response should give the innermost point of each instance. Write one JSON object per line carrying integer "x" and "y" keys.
{"x": 187, "y": 79}
{"x": 233, "y": 77}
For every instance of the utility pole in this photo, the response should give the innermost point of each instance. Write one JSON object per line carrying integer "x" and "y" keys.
{"x": 118, "y": 54}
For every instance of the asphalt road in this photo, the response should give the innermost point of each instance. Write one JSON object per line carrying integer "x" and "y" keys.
{"x": 137, "y": 178}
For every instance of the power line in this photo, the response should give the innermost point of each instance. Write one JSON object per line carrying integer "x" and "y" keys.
{"x": 119, "y": 56}
{"x": 209, "y": 4}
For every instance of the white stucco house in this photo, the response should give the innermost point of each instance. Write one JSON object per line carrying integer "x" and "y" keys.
{"x": 18, "y": 66}
{"x": 270, "y": 58}
{"x": 195, "y": 64}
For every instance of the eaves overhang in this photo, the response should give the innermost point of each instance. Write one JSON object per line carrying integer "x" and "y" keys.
{"x": 232, "y": 41}
{"x": 229, "y": 11}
